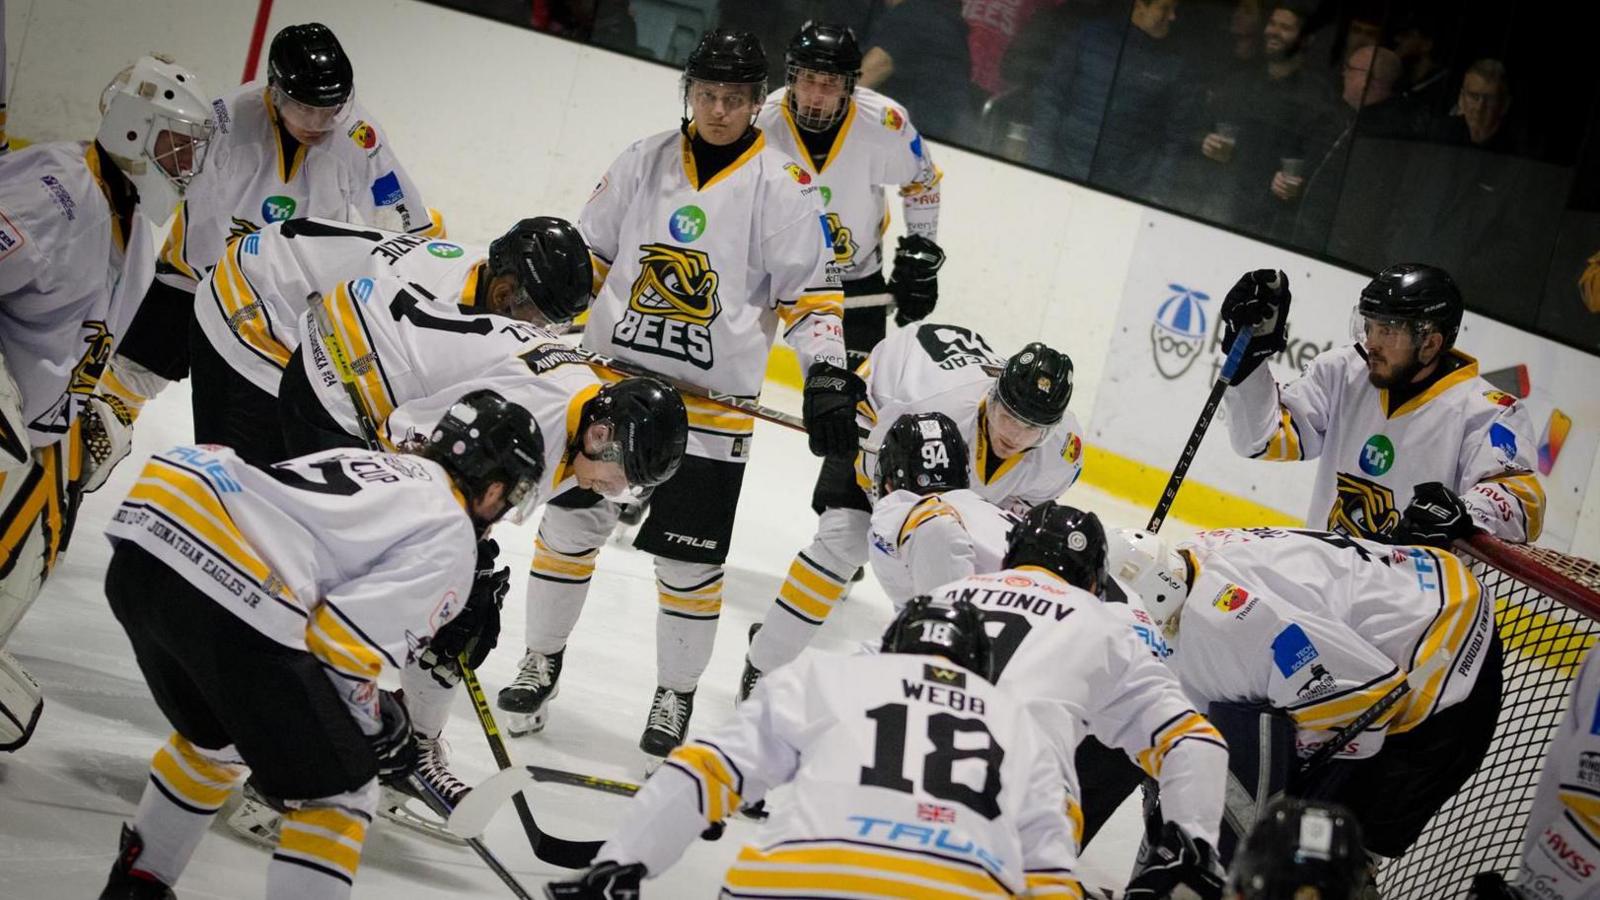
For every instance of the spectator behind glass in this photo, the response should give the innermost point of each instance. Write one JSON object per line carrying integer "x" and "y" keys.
{"x": 991, "y": 27}
{"x": 1264, "y": 119}
{"x": 917, "y": 53}
{"x": 1481, "y": 117}
{"x": 1134, "y": 126}
{"x": 1427, "y": 81}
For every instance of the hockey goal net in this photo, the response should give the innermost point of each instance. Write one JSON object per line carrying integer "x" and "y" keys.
{"x": 1547, "y": 607}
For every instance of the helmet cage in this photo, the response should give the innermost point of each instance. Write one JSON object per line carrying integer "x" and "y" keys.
{"x": 813, "y": 117}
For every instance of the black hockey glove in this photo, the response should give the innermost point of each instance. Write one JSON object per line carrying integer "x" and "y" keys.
{"x": 603, "y": 881}
{"x": 1493, "y": 886}
{"x": 915, "y": 282}
{"x": 1259, "y": 301}
{"x": 829, "y": 407}
{"x": 476, "y": 629}
{"x": 395, "y": 746}
{"x": 1177, "y": 861}
{"x": 1436, "y": 517}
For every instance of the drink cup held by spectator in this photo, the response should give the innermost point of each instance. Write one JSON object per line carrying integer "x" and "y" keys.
{"x": 1218, "y": 145}
{"x": 1290, "y": 178}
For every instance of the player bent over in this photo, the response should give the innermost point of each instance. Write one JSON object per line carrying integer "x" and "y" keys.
{"x": 300, "y": 144}
{"x": 1402, "y": 423}
{"x": 1320, "y": 627}
{"x": 1299, "y": 850}
{"x": 77, "y": 221}
{"x": 852, "y": 141}
{"x": 1024, "y": 448}
{"x": 262, "y": 605}
{"x": 248, "y": 309}
{"x": 914, "y": 776}
{"x": 1076, "y": 659}
{"x": 705, "y": 242}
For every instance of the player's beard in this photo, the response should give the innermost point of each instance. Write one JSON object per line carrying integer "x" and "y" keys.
{"x": 1401, "y": 374}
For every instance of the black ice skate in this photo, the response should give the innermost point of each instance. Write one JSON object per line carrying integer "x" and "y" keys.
{"x": 404, "y": 806}
{"x": 127, "y": 884}
{"x": 528, "y": 694}
{"x": 669, "y": 721}
{"x": 747, "y": 681}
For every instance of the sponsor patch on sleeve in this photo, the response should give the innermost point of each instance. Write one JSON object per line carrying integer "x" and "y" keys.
{"x": 11, "y": 237}
{"x": 1292, "y": 650}
{"x": 386, "y": 190}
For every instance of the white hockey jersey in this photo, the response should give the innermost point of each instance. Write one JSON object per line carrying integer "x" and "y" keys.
{"x": 1561, "y": 848}
{"x": 309, "y": 551}
{"x": 920, "y": 542}
{"x": 692, "y": 280}
{"x": 1322, "y": 626}
{"x": 414, "y": 358}
{"x": 876, "y": 145}
{"x": 248, "y": 183}
{"x": 249, "y": 306}
{"x": 950, "y": 369}
{"x": 70, "y": 280}
{"x": 1462, "y": 431}
{"x": 1075, "y": 659}
{"x": 912, "y": 778}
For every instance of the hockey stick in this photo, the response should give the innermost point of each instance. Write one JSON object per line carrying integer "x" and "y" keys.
{"x": 578, "y": 779}
{"x": 868, "y": 301}
{"x": 1198, "y": 433}
{"x": 441, "y": 806}
{"x": 1414, "y": 679}
{"x": 345, "y": 369}
{"x": 732, "y": 401}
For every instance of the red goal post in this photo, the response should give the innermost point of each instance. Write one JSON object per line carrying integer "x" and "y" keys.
{"x": 1547, "y": 610}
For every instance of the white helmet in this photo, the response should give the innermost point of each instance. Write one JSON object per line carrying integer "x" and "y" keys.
{"x": 1151, "y": 568}
{"x": 156, "y": 123}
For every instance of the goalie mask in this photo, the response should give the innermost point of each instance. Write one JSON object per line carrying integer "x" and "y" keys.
{"x": 1150, "y": 567}
{"x": 156, "y": 125}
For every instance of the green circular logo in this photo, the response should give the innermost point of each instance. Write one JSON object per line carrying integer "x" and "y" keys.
{"x": 444, "y": 249}
{"x": 277, "y": 208}
{"x": 827, "y": 194}
{"x": 1377, "y": 455}
{"x": 687, "y": 223}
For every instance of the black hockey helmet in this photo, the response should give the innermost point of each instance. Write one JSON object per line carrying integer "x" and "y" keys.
{"x": 825, "y": 47}
{"x": 952, "y": 629}
{"x": 1416, "y": 293}
{"x": 923, "y": 453}
{"x": 1064, "y": 539}
{"x": 728, "y": 57}
{"x": 1036, "y": 384}
{"x": 1301, "y": 848}
{"x": 307, "y": 63}
{"x": 482, "y": 439}
{"x": 551, "y": 263}
{"x": 649, "y": 428}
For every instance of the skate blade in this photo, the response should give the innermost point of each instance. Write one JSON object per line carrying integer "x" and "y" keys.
{"x": 523, "y": 724}
{"x": 401, "y": 814}
{"x": 651, "y": 763}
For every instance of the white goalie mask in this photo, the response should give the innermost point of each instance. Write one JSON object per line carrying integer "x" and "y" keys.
{"x": 1150, "y": 567}
{"x": 156, "y": 124}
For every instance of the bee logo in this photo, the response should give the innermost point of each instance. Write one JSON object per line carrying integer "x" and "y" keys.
{"x": 672, "y": 305}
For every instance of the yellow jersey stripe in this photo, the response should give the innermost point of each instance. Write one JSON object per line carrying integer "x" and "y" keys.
{"x": 882, "y": 873}
{"x": 332, "y": 641}
{"x": 371, "y": 384}
{"x": 197, "y": 780}
{"x": 1336, "y": 712}
{"x": 601, "y": 269}
{"x": 175, "y": 251}
{"x": 823, "y": 303}
{"x": 1449, "y": 632}
{"x": 1190, "y": 725}
{"x": 1075, "y": 818}
{"x": 929, "y": 507}
{"x": 1053, "y": 884}
{"x": 980, "y": 450}
{"x": 719, "y": 788}
{"x": 188, "y": 498}
{"x": 1527, "y": 489}
{"x": 1583, "y": 808}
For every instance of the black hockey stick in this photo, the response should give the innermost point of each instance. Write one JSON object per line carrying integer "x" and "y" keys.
{"x": 732, "y": 401}
{"x": 1373, "y": 713}
{"x": 578, "y": 779}
{"x": 1198, "y": 433}
{"x": 441, "y": 806}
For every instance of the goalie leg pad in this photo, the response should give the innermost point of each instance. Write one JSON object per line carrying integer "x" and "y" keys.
{"x": 33, "y": 505}
{"x": 1261, "y": 757}
{"x": 16, "y": 448}
{"x": 21, "y": 702}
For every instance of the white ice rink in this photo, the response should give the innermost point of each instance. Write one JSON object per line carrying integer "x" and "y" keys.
{"x": 63, "y": 796}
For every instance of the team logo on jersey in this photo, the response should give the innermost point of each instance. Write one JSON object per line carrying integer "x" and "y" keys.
{"x": 364, "y": 135}
{"x": 672, "y": 305}
{"x": 801, "y": 176}
{"x": 361, "y": 289}
{"x": 277, "y": 208}
{"x": 1504, "y": 442}
{"x": 445, "y": 249}
{"x": 1318, "y": 684}
{"x": 940, "y": 674}
{"x": 1500, "y": 398}
{"x": 1231, "y": 598}
{"x": 1362, "y": 508}
{"x": 1179, "y": 331}
{"x": 1072, "y": 449}
{"x": 893, "y": 119}
{"x": 1377, "y": 455}
{"x": 241, "y": 227}
{"x": 687, "y": 223}
{"x": 839, "y": 237}
{"x": 827, "y": 194}
{"x": 952, "y": 347}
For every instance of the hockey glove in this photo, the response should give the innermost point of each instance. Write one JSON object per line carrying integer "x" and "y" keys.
{"x": 604, "y": 881}
{"x": 1436, "y": 517}
{"x": 395, "y": 746}
{"x": 915, "y": 282}
{"x": 476, "y": 629}
{"x": 1260, "y": 302}
{"x": 829, "y": 407}
{"x": 106, "y": 429}
{"x": 1177, "y": 861}
{"x": 1493, "y": 886}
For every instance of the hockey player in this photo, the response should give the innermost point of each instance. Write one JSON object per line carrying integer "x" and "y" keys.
{"x": 704, "y": 241}
{"x": 914, "y": 776}
{"x": 1320, "y": 627}
{"x": 1558, "y": 848}
{"x": 248, "y": 308}
{"x": 1300, "y": 850}
{"x": 77, "y": 250}
{"x": 1075, "y": 659}
{"x": 1024, "y": 449}
{"x": 851, "y": 141}
{"x": 1409, "y": 436}
{"x": 928, "y": 529}
{"x": 263, "y": 605}
{"x": 298, "y": 145}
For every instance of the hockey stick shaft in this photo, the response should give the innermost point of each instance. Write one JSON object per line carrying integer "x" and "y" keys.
{"x": 1341, "y": 738}
{"x": 1229, "y": 366}
{"x": 578, "y": 779}
{"x": 743, "y": 404}
{"x": 344, "y": 368}
{"x": 551, "y": 849}
{"x": 441, "y": 806}
{"x": 868, "y": 301}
